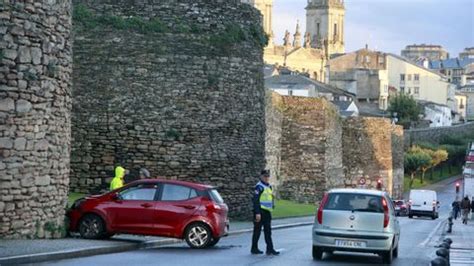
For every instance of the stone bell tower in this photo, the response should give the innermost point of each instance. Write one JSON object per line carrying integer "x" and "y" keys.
{"x": 325, "y": 23}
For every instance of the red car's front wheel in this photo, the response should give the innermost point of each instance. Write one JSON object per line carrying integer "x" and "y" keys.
{"x": 92, "y": 226}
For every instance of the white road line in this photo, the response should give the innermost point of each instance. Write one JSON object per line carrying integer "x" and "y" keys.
{"x": 430, "y": 236}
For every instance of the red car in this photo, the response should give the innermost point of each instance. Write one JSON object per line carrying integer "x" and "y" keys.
{"x": 176, "y": 209}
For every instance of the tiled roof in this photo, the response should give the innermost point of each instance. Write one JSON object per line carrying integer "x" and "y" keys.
{"x": 451, "y": 63}
{"x": 297, "y": 81}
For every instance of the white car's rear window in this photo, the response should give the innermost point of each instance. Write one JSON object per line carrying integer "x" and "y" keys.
{"x": 354, "y": 202}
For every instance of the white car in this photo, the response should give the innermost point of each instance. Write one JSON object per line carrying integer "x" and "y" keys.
{"x": 356, "y": 220}
{"x": 423, "y": 203}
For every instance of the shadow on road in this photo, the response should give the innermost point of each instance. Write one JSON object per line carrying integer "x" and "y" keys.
{"x": 188, "y": 249}
{"x": 354, "y": 258}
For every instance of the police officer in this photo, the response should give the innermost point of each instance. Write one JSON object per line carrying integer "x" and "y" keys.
{"x": 262, "y": 208}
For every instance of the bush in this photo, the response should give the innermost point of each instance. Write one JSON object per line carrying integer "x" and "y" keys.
{"x": 452, "y": 140}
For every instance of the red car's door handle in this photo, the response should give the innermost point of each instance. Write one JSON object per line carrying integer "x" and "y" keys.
{"x": 146, "y": 205}
{"x": 189, "y": 207}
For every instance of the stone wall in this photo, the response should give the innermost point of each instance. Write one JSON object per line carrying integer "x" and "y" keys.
{"x": 435, "y": 134}
{"x": 173, "y": 86}
{"x": 273, "y": 121}
{"x": 35, "y": 106}
{"x": 367, "y": 152}
{"x": 398, "y": 155}
{"x": 309, "y": 148}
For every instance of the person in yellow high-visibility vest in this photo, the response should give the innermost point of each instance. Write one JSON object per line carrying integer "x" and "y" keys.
{"x": 263, "y": 205}
{"x": 117, "y": 181}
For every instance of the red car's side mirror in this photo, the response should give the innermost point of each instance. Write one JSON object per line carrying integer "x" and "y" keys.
{"x": 116, "y": 197}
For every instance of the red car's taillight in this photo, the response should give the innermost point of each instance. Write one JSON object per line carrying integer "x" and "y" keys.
{"x": 386, "y": 217}
{"x": 321, "y": 207}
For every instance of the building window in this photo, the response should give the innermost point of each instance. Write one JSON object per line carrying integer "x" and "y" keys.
{"x": 317, "y": 30}
{"x": 381, "y": 60}
{"x": 409, "y": 90}
{"x": 335, "y": 30}
{"x": 417, "y": 77}
{"x": 402, "y": 77}
{"x": 290, "y": 92}
{"x": 409, "y": 77}
{"x": 417, "y": 90}
{"x": 402, "y": 89}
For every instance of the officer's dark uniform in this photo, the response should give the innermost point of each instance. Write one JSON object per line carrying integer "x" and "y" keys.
{"x": 263, "y": 205}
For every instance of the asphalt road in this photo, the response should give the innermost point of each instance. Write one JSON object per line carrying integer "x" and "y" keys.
{"x": 416, "y": 247}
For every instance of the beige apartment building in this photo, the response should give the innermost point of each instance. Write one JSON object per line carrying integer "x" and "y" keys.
{"x": 363, "y": 73}
{"x": 428, "y": 51}
{"x": 421, "y": 83}
{"x": 467, "y": 53}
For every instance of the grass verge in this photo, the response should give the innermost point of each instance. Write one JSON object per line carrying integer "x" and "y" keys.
{"x": 431, "y": 178}
{"x": 286, "y": 208}
{"x": 73, "y": 196}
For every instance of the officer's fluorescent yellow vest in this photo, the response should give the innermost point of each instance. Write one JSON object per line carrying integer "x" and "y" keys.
{"x": 266, "y": 198}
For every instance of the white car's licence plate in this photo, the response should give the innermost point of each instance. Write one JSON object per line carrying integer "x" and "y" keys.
{"x": 351, "y": 243}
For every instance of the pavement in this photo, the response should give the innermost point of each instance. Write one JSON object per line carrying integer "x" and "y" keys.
{"x": 38, "y": 250}
{"x": 462, "y": 248}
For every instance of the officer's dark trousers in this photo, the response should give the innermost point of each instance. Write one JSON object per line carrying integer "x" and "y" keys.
{"x": 266, "y": 222}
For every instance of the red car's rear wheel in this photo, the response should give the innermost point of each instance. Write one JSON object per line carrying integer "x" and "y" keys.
{"x": 198, "y": 235}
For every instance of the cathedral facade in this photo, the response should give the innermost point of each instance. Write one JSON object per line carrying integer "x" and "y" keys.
{"x": 306, "y": 52}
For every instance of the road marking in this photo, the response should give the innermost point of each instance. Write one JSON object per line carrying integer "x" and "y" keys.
{"x": 430, "y": 236}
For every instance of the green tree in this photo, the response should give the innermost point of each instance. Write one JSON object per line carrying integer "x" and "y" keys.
{"x": 436, "y": 157}
{"x": 406, "y": 108}
{"x": 413, "y": 163}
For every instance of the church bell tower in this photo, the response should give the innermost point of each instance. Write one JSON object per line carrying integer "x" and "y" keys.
{"x": 325, "y": 24}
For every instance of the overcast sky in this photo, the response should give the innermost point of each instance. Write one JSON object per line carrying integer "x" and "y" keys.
{"x": 390, "y": 25}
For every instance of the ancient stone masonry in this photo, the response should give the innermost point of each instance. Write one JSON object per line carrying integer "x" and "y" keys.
{"x": 435, "y": 134}
{"x": 310, "y": 158}
{"x": 35, "y": 106}
{"x": 310, "y": 149}
{"x": 367, "y": 153}
{"x": 173, "y": 86}
{"x": 398, "y": 170}
{"x": 273, "y": 121}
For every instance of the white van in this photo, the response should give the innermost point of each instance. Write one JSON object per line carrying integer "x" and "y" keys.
{"x": 423, "y": 203}
{"x": 468, "y": 169}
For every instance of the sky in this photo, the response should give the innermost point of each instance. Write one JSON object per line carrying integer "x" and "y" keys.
{"x": 390, "y": 25}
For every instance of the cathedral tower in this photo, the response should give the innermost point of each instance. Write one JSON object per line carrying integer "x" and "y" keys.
{"x": 325, "y": 24}
{"x": 266, "y": 8}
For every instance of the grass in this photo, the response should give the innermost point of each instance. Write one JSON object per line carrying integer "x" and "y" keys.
{"x": 73, "y": 196}
{"x": 438, "y": 175}
{"x": 286, "y": 208}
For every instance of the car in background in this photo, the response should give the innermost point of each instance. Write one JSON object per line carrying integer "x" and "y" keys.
{"x": 356, "y": 220}
{"x": 167, "y": 208}
{"x": 423, "y": 203}
{"x": 401, "y": 207}
{"x": 470, "y": 157}
{"x": 468, "y": 169}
